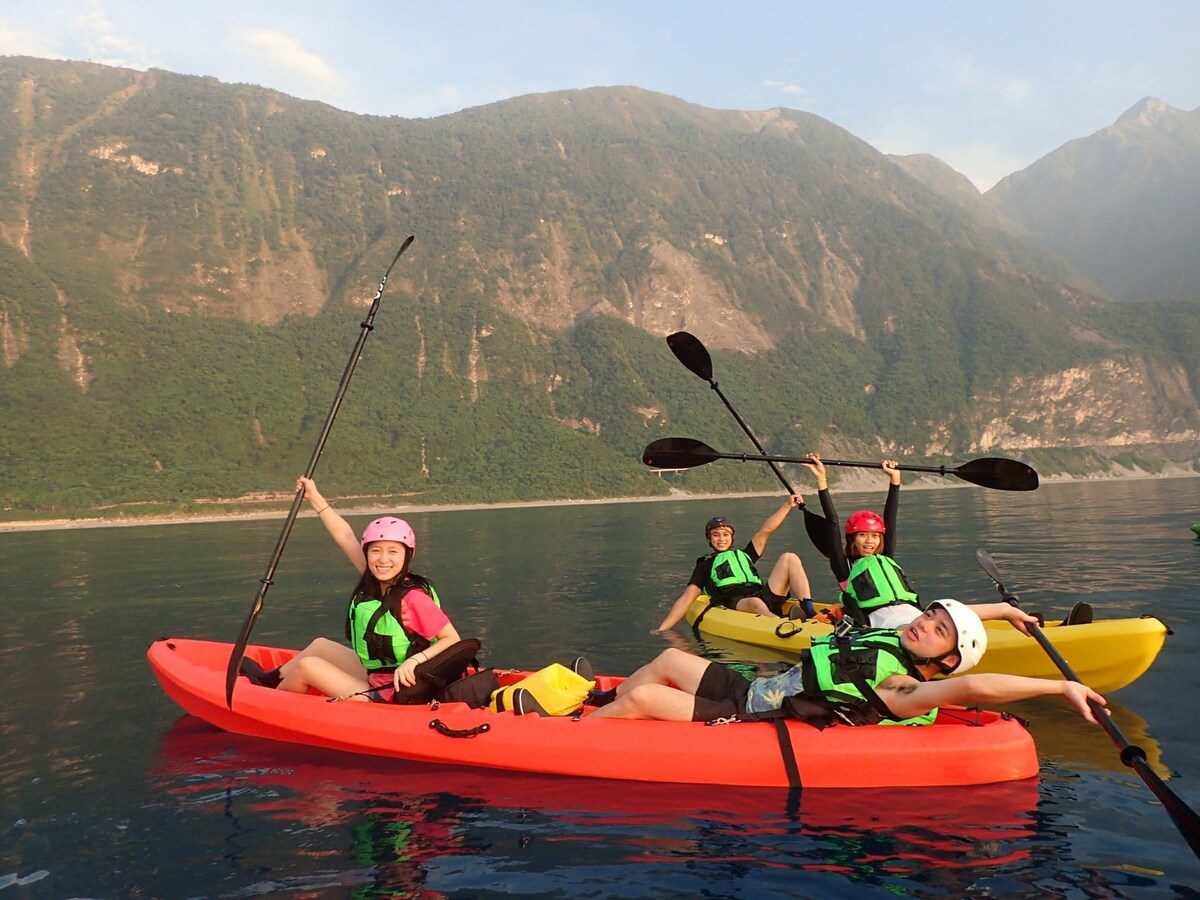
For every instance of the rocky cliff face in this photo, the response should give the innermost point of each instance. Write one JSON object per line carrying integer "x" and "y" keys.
{"x": 861, "y": 298}
{"x": 1119, "y": 402}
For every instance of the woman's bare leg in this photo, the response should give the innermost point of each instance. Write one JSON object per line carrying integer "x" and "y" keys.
{"x": 332, "y": 652}
{"x": 755, "y": 605}
{"x": 327, "y": 666}
{"x": 788, "y": 578}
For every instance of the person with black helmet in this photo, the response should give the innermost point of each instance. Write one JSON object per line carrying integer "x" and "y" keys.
{"x": 875, "y": 676}
{"x": 728, "y": 576}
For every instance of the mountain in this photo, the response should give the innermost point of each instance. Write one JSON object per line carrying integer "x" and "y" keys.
{"x": 1121, "y": 205}
{"x": 183, "y": 266}
{"x": 952, "y": 185}
{"x": 955, "y": 187}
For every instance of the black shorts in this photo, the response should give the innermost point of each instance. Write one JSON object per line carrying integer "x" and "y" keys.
{"x": 721, "y": 694}
{"x": 774, "y": 601}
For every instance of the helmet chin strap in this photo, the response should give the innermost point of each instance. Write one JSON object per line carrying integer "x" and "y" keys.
{"x": 939, "y": 661}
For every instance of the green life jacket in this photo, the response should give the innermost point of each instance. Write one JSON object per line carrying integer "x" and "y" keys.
{"x": 840, "y": 675}
{"x": 729, "y": 571}
{"x": 875, "y": 582}
{"x": 374, "y": 630}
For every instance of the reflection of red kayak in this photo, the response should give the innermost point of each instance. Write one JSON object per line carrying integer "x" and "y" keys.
{"x": 963, "y": 747}
{"x": 319, "y": 788}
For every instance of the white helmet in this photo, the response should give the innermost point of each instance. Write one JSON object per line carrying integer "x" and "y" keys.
{"x": 970, "y": 635}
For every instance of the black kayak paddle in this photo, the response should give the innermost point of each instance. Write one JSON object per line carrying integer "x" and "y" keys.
{"x": 239, "y": 648}
{"x": 993, "y": 472}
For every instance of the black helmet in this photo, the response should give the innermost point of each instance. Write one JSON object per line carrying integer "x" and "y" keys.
{"x": 714, "y": 523}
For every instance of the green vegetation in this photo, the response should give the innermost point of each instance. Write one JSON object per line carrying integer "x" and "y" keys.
{"x": 199, "y": 256}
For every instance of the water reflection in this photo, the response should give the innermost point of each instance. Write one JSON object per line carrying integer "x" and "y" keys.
{"x": 1065, "y": 740}
{"x": 413, "y": 825}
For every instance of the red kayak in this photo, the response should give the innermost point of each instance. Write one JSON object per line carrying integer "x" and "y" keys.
{"x": 962, "y": 747}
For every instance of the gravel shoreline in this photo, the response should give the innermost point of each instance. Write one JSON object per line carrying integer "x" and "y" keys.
{"x": 851, "y": 482}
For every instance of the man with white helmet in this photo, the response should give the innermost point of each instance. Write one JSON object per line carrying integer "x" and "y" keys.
{"x": 875, "y": 675}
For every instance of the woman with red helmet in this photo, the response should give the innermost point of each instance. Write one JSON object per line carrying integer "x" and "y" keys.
{"x": 394, "y": 623}
{"x": 875, "y": 591}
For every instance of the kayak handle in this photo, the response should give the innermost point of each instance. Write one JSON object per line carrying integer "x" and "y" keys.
{"x": 794, "y": 628}
{"x": 442, "y": 728}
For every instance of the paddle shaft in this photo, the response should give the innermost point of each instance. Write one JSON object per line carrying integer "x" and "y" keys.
{"x": 1184, "y": 817}
{"x": 765, "y": 457}
{"x": 904, "y": 467}
{"x": 690, "y": 351}
{"x": 814, "y": 523}
{"x": 762, "y": 451}
{"x": 368, "y": 324}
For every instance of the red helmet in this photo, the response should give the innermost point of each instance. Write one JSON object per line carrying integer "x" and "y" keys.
{"x": 864, "y": 520}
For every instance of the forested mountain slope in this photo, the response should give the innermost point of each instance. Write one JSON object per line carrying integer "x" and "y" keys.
{"x": 184, "y": 264}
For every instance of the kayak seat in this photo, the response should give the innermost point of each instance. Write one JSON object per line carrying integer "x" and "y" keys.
{"x": 1080, "y": 614}
{"x": 580, "y": 666}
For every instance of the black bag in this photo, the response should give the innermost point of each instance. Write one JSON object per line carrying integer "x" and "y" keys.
{"x": 474, "y": 690}
{"x": 435, "y": 674}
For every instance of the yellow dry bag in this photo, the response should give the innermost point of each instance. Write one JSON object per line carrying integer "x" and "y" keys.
{"x": 559, "y": 690}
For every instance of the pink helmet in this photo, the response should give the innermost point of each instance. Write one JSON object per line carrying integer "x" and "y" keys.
{"x": 864, "y": 520}
{"x": 389, "y": 528}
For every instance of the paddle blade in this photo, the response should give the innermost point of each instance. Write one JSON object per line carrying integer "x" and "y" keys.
{"x": 693, "y": 354}
{"x": 678, "y": 453}
{"x": 239, "y": 649}
{"x": 989, "y": 566}
{"x": 999, "y": 473}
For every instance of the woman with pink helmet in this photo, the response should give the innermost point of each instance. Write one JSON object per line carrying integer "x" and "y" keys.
{"x": 394, "y": 622}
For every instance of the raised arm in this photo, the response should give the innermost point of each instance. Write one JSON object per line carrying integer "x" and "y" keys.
{"x": 773, "y": 521}
{"x": 339, "y": 529}
{"x": 891, "y": 506}
{"x": 834, "y": 537}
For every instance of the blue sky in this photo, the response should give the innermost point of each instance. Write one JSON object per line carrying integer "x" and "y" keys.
{"x": 987, "y": 87}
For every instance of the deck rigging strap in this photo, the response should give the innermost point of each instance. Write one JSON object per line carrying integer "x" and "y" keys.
{"x": 788, "y": 752}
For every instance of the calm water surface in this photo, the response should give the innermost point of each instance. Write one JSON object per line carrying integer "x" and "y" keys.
{"x": 106, "y": 791}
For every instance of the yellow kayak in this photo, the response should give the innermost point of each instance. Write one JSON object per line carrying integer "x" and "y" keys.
{"x": 1106, "y": 654}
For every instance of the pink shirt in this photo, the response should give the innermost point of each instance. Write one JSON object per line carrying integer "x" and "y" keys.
{"x": 418, "y": 613}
